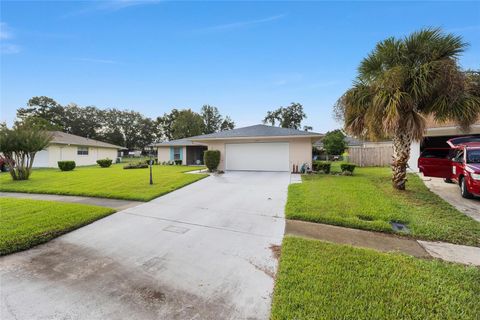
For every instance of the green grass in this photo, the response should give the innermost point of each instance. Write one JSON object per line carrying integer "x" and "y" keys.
{"x": 320, "y": 280}
{"x": 368, "y": 201}
{"x": 25, "y": 223}
{"x": 112, "y": 182}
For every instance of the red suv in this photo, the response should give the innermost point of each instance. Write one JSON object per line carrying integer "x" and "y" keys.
{"x": 459, "y": 164}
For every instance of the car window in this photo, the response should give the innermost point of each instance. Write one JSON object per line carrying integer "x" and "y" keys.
{"x": 473, "y": 156}
{"x": 458, "y": 156}
{"x": 435, "y": 153}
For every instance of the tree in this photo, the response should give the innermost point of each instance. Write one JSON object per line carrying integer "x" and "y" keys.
{"x": 187, "y": 124}
{"x": 42, "y": 111}
{"x": 307, "y": 128}
{"x": 287, "y": 117}
{"x": 165, "y": 124}
{"x": 227, "y": 124}
{"x": 334, "y": 142}
{"x": 19, "y": 146}
{"x": 211, "y": 118}
{"x": 401, "y": 82}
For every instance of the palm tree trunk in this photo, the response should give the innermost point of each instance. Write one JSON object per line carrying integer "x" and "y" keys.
{"x": 402, "y": 142}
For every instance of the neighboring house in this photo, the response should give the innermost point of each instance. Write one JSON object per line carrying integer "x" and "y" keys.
{"x": 255, "y": 148}
{"x": 83, "y": 151}
{"x": 436, "y": 136}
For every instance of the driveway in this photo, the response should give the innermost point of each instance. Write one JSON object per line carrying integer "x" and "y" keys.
{"x": 450, "y": 192}
{"x": 206, "y": 251}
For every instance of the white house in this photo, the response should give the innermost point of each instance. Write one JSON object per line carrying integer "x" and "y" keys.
{"x": 436, "y": 136}
{"x": 253, "y": 148}
{"x": 83, "y": 151}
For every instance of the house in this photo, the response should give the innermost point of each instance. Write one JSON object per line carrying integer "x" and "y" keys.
{"x": 436, "y": 136}
{"x": 255, "y": 148}
{"x": 185, "y": 150}
{"x": 83, "y": 151}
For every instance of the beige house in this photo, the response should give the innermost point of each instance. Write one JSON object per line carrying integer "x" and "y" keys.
{"x": 436, "y": 136}
{"x": 83, "y": 151}
{"x": 253, "y": 148}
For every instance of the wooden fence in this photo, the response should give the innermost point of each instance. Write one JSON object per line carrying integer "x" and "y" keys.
{"x": 371, "y": 156}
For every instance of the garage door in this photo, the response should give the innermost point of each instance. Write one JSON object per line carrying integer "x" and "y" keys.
{"x": 257, "y": 156}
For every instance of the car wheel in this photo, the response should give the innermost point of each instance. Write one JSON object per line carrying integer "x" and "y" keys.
{"x": 464, "y": 189}
{"x": 446, "y": 180}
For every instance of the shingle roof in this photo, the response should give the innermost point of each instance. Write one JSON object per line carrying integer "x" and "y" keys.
{"x": 60, "y": 137}
{"x": 179, "y": 142}
{"x": 258, "y": 130}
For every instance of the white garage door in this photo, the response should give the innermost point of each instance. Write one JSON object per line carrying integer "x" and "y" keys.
{"x": 257, "y": 156}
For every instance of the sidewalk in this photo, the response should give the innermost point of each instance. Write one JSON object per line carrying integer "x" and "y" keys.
{"x": 384, "y": 242}
{"x": 103, "y": 202}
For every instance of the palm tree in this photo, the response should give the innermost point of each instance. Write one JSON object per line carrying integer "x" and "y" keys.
{"x": 400, "y": 83}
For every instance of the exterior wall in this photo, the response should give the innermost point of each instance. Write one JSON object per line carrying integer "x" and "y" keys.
{"x": 414, "y": 155}
{"x": 300, "y": 149}
{"x": 57, "y": 153}
{"x": 166, "y": 154}
{"x": 163, "y": 154}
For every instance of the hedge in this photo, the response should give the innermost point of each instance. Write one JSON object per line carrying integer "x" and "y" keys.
{"x": 66, "y": 165}
{"x": 348, "y": 167}
{"x": 139, "y": 165}
{"x": 211, "y": 158}
{"x": 104, "y": 163}
{"x": 321, "y": 166}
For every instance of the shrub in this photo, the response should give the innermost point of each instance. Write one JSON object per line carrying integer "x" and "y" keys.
{"x": 66, "y": 165}
{"x": 104, "y": 163}
{"x": 347, "y": 167}
{"x": 211, "y": 158}
{"x": 19, "y": 146}
{"x": 178, "y": 162}
{"x": 138, "y": 165}
{"x": 323, "y": 166}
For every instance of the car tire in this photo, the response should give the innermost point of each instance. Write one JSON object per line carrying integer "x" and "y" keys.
{"x": 446, "y": 180}
{"x": 464, "y": 189}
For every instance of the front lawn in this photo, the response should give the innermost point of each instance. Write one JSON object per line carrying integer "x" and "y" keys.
{"x": 320, "y": 280}
{"x": 25, "y": 223}
{"x": 368, "y": 201}
{"x": 112, "y": 182}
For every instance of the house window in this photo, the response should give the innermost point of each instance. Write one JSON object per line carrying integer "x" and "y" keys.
{"x": 177, "y": 153}
{"x": 82, "y": 151}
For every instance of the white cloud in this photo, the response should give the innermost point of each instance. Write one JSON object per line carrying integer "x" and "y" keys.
{"x": 105, "y": 61}
{"x": 242, "y": 24}
{"x": 5, "y": 32}
{"x": 111, "y": 5}
{"x": 8, "y": 48}
{"x": 6, "y": 35}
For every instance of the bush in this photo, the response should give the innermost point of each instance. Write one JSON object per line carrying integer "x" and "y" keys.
{"x": 66, "y": 165}
{"x": 211, "y": 158}
{"x": 348, "y": 167}
{"x": 154, "y": 161}
{"x": 104, "y": 163}
{"x": 321, "y": 166}
{"x": 178, "y": 162}
{"x": 138, "y": 165}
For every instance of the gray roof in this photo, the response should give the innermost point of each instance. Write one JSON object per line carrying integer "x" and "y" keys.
{"x": 59, "y": 137}
{"x": 259, "y": 130}
{"x": 179, "y": 142}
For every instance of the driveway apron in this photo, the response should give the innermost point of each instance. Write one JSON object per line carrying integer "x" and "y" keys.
{"x": 206, "y": 251}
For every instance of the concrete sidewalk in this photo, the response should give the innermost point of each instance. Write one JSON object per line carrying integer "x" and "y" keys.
{"x": 384, "y": 242}
{"x": 103, "y": 202}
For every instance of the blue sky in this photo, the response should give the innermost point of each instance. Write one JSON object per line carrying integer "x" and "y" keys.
{"x": 244, "y": 57}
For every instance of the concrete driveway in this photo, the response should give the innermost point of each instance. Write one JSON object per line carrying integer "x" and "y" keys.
{"x": 450, "y": 192}
{"x": 206, "y": 251}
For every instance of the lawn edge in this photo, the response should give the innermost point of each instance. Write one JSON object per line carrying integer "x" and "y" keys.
{"x": 58, "y": 233}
